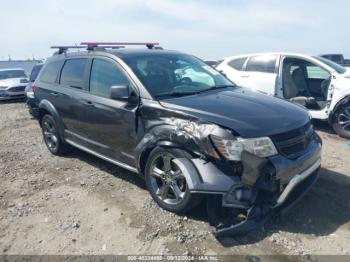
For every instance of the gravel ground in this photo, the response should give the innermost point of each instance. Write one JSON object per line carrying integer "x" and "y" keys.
{"x": 79, "y": 204}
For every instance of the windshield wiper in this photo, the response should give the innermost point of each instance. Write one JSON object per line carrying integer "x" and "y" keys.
{"x": 221, "y": 86}
{"x": 177, "y": 94}
{"x": 216, "y": 87}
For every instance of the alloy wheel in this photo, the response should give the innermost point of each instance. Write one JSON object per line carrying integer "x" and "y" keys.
{"x": 344, "y": 119}
{"x": 50, "y": 134}
{"x": 167, "y": 180}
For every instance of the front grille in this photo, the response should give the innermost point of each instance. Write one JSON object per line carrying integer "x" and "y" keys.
{"x": 294, "y": 143}
{"x": 17, "y": 89}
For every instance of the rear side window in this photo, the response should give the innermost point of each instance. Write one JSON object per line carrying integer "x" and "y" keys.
{"x": 237, "y": 63}
{"x": 50, "y": 72}
{"x": 35, "y": 71}
{"x": 105, "y": 74}
{"x": 265, "y": 64}
{"x": 73, "y": 72}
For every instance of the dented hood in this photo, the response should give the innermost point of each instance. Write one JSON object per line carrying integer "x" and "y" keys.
{"x": 248, "y": 113}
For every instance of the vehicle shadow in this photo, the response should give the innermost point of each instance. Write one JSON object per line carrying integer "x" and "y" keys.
{"x": 108, "y": 167}
{"x": 13, "y": 101}
{"x": 323, "y": 126}
{"x": 324, "y": 209}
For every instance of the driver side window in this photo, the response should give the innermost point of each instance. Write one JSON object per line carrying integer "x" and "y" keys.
{"x": 105, "y": 74}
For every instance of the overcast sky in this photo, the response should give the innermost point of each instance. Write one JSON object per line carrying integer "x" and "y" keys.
{"x": 207, "y": 28}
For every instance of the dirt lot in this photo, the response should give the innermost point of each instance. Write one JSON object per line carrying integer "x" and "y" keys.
{"x": 79, "y": 204}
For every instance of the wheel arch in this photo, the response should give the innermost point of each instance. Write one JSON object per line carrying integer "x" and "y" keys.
{"x": 142, "y": 154}
{"x": 46, "y": 107}
{"x": 341, "y": 102}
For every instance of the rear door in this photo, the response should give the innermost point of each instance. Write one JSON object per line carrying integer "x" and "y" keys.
{"x": 233, "y": 70}
{"x": 260, "y": 73}
{"x": 109, "y": 125}
{"x": 72, "y": 84}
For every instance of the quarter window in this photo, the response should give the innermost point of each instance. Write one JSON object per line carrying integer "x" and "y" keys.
{"x": 73, "y": 72}
{"x": 237, "y": 63}
{"x": 265, "y": 64}
{"x": 105, "y": 74}
{"x": 50, "y": 72}
{"x": 316, "y": 72}
{"x": 35, "y": 72}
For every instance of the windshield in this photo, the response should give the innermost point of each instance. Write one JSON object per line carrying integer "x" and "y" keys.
{"x": 335, "y": 66}
{"x": 35, "y": 72}
{"x": 12, "y": 74}
{"x": 175, "y": 74}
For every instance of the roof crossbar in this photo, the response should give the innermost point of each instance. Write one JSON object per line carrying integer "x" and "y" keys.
{"x": 64, "y": 48}
{"x": 91, "y": 45}
{"x": 102, "y": 45}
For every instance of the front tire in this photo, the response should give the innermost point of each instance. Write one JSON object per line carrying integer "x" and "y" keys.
{"x": 166, "y": 182}
{"x": 51, "y": 136}
{"x": 341, "y": 121}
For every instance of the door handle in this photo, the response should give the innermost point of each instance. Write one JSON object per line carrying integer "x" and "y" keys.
{"x": 88, "y": 104}
{"x": 54, "y": 93}
{"x": 245, "y": 76}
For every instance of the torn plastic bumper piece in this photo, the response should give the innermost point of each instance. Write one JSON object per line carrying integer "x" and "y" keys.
{"x": 258, "y": 215}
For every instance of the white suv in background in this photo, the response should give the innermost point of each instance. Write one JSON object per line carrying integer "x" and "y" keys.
{"x": 320, "y": 85}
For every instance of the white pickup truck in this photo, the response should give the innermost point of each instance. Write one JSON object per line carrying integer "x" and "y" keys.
{"x": 320, "y": 85}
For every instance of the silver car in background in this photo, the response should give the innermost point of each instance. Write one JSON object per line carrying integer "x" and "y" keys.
{"x": 12, "y": 83}
{"x": 32, "y": 103}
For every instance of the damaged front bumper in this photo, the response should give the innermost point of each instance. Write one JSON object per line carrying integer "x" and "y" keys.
{"x": 265, "y": 188}
{"x": 259, "y": 214}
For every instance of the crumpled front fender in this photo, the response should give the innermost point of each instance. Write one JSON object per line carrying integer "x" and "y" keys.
{"x": 205, "y": 177}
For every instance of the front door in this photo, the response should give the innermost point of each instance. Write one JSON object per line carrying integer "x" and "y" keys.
{"x": 307, "y": 82}
{"x": 109, "y": 125}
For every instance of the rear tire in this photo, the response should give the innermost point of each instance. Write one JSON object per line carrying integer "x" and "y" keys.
{"x": 51, "y": 136}
{"x": 341, "y": 121}
{"x": 165, "y": 182}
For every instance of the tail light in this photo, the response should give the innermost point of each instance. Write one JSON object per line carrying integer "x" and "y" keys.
{"x": 33, "y": 88}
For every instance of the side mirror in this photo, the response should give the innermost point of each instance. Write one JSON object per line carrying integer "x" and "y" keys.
{"x": 222, "y": 72}
{"x": 120, "y": 92}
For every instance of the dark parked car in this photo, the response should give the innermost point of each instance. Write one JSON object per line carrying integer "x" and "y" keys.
{"x": 189, "y": 134}
{"x": 337, "y": 58}
{"x": 32, "y": 102}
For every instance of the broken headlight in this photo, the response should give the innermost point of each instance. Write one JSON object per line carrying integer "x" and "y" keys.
{"x": 232, "y": 149}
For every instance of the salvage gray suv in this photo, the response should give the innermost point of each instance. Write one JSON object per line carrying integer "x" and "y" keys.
{"x": 181, "y": 125}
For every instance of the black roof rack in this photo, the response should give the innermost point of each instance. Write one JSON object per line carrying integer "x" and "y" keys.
{"x": 91, "y": 45}
{"x": 100, "y": 46}
{"x": 64, "y": 48}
